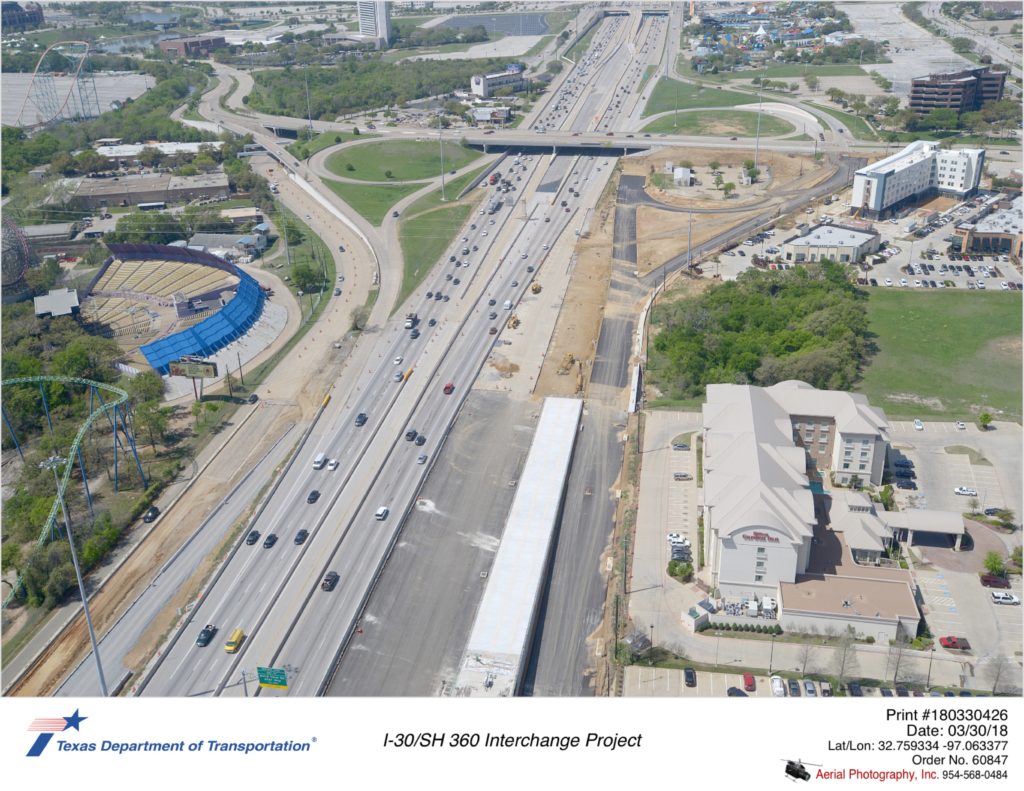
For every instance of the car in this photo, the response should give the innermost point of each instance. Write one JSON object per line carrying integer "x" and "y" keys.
{"x": 918, "y": 425}
{"x": 301, "y": 536}
{"x": 421, "y": 440}
{"x": 902, "y": 692}
{"x": 955, "y": 643}
{"x": 437, "y": 296}
{"x": 903, "y": 282}
{"x": 515, "y": 284}
{"x": 492, "y": 331}
{"x": 1002, "y": 597}
{"x": 917, "y": 284}
{"x": 855, "y": 690}
{"x": 733, "y": 692}
{"x": 809, "y": 689}
{"x": 253, "y": 398}
{"x": 449, "y": 388}
{"x": 337, "y": 292}
{"x": 330, "y": 580}
{"x": 965, "y": 491}
{"x": 994, "y": 581}
{"x": 411, "y": 434}
{"x": 394, "y": 214}
{"x": 674, "y": 538}
{"x": 690, "y": 676}
{"x": 421, "y": 459}
{"x": 432, "y": 322}
{"x": 778, "y": 687}
{"x": 992, "y": 511}
{"x": 443, "y": 299}
{"x": 332, "y": 464}
{"x": 456, "y": 282}
{"x": 361, "y": 419}
{"x": 961, "y": 426}
{"x": 313, "y": 496}
{"x": 151, "y": 514}
{"x": 732, "y": 138}
{"x": 749, "y": 684}
{"x": 253, "y": 537}
{"x": 682, "y": 476}
{"x": 491, "y": 302}
{"x": 1004, "y": 286}
{"x": 794, "y": 688}
{"x": 885, "y": 692}
{"x": 903, "y": 463}
{"x": 826, "y": 689}
{"x": 206, "y": 635}
{"x": 873, "y": 282}
{"x": 903, "y": 472}
{"x": 270, "y": 540}
{"x": 903, "y": 483}
{"x": 680, "y": 446}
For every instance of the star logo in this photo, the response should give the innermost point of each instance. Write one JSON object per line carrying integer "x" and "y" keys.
{"x": 47, "y": 726}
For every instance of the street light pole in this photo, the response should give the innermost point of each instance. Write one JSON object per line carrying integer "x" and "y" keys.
{"x": 440, "y": 140}
{"x": 931, "y": 656}
{"x": 53, "y": 463}
{"x": 771, "y": 656}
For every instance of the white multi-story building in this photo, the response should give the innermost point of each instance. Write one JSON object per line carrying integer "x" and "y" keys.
{"x": 484, "y": 85}
{"x": 375, "y": 20}
{"x": 920, "y": 169}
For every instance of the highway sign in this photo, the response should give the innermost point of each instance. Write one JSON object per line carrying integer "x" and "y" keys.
{"x": 194, "y": 369}
{"x": 275, "y": 677}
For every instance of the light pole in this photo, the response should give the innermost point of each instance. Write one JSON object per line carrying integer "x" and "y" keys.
{"x": 771, "y": 656}
{"x": 931, "y": 656}
{"x": 53, "y": 463}
{"x": 757, "y": 134}
{"x": 440, "y": 140}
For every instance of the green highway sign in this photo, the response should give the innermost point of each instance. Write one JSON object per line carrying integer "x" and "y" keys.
{"x": 272, "y": 677}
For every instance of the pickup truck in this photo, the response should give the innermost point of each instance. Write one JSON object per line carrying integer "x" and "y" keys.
{"x": 206, "y": 635}
{"x": 955, "y": 643}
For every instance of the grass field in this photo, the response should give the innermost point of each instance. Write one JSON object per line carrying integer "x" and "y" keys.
{"x": 962, "y": 349}
{"x": 424, "y": 239}
{"x": 667, "y": 93}
{"x": 720, "y": 122}
{"x": 373, "y": 201}
{"x": 855, "y": 125}
{"x": 322, "y": 141}
{"x": 407, "y": 160}
{"x": 452, "y": 188}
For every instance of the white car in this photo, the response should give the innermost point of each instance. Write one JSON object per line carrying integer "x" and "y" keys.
{"x": 903, "y": 282}
{"x": 778, "y": 687}
{"x": 332, "y": 464}
{"x": 917, "y": 284}
{"x": 1002, "y": 597}
{"x": 674, "y": 538}
{"x": 961, "y": 426}
{"x": 397, "y": 361}
{"x": 965, "y": 491}
{"x": 1004, "y": 286}
{"x": 888, "y": 281}
{"x": 918, "y": 425}
{"x": 548, "y": 247}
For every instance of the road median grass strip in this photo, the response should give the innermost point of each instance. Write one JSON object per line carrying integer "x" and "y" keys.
{"x": 404, "y": 160}
{"x": 372, "y": 201}
{"x": 715, "y": 123}
{"x": 671, "y": 94}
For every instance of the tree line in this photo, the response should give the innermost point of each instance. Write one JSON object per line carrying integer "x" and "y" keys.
{"x": 353, "y": 86}
{"x": 807, "y": 323}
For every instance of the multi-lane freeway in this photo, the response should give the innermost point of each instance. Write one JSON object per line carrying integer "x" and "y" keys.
{"x": 273, "y": 593}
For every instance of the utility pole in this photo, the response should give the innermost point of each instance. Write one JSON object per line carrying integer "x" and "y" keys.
{"x": 440, "y": 139}
{"x": 757, "y": 135}
{"x": 689, "y": 239}
{"x": 309, "y": 112}
{"x": 53, "y": 463}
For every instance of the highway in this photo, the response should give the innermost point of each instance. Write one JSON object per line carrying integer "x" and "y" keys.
{"x": 273, "y": 593}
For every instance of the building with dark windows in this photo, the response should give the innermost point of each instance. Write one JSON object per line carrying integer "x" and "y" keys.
{"x": 962, "y": 91}
{"x": 195, "y": 47}
{"x": 14, "y": 16}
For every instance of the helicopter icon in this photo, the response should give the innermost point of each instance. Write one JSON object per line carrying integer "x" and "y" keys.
{"x": 796, "y": 770}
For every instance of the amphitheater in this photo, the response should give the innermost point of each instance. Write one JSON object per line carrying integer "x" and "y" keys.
{"x": 183, "y": 302}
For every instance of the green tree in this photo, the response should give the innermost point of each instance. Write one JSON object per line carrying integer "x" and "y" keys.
{"x": 147, "y": 227}
{"x": 153, "y": 420}
{"x": 985, "y": 420}
{"x": 994, "y": 563}
{"x": 728, "y": 188}
{"x": 197, "y": 411}
{"x": 811, "y": 81}
{"x": 962, "y": 45}
{"x": 147, "y": 386}
{"x": 306, "y": 278}
{"x": 11, "y": 557}
{"x": 360, "y": 316}
{"x": 1005, "y": 517}
{"x": 714, "y": 165}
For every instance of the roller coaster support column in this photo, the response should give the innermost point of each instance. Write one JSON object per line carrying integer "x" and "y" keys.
{"x": 53, "y": 463}
{"x": 10, "y": 430}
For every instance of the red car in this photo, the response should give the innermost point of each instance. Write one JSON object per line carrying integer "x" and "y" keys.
{"x": 955, "y": 643}
{"x": 994, "y": 581}
{"x": 449, "y": 388}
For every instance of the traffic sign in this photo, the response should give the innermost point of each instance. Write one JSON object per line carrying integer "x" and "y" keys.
{"x": 275, "y": 677}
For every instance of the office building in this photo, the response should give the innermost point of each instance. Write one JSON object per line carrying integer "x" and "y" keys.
{"x": 193, "y": 47}
{"x": 920, "y": 170}
{"x": 14, "y": 16}
{"x": 375, "y": 20}
{"x": 484, "y": 85}
{"x": 962, "y": 91}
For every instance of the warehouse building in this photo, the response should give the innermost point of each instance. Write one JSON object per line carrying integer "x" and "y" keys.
{"x": 830, "y": 242}
{"x": 921, "y": 170}
{"x": 132, "y": 190}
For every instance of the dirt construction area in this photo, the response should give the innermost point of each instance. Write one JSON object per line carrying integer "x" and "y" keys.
{"x": 662, "y": 235}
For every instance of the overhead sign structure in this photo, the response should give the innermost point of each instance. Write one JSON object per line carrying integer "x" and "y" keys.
{"x": 194, "y": 369}
{"x": 274, "y": 677}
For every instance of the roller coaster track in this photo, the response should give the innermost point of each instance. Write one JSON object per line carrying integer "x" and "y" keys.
{"x": 105, "y": 409}
{"x": 71, "y": 89}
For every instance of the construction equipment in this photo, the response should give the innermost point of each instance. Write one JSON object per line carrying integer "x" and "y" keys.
{"x": 513, "y": 322}
{"x": 535, "y": 288}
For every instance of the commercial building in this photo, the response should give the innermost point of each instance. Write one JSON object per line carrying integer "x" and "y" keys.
{"x": 14, "y": 16}
{"x": 962, "y": 91}
{"x": 491, "y": 115}
{"x": 231, "y": 245}
{"x": 375, "y": 20}
{"x": 193, "y": 47}
{"x": 94, "y": 193}
{"x": 39, "y": 236}
{"x": 484, "y": 85}
{"x": 832, "y": 242}
{"x": 773, "y": 529}
{"x": 59, "y": 302}
{"x": 127, "y": 154}
{"x": 920, "y": 170}
{"x": 1002, "y": 231}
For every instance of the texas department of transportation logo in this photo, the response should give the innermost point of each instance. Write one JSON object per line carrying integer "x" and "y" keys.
{"x": 50, "y": 726}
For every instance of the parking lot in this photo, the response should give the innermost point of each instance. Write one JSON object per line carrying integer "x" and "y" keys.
{"x": 657, "y": 682}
